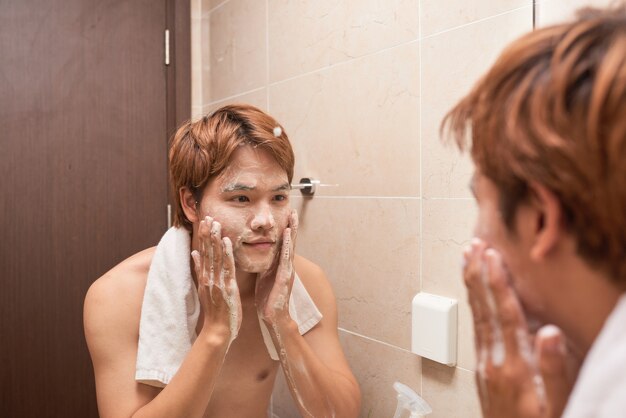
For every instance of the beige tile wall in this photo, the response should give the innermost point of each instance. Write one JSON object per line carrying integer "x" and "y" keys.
{"x": 438, "y": 15}
{"x": 309, "y": 35}
{"x": 554, "y": 11}
{"x": 374, "y": 293}
{"x": 332, "y": 114}
{"x": 451, "y": 62}
{"x": 360, "y": 87}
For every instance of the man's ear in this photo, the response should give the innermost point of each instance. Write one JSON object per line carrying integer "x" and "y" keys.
{"x": 549, "y": 221}
{"x": 188, "y": 203}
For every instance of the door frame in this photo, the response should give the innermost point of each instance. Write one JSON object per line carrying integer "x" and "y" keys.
{"x": 178, "y": 83}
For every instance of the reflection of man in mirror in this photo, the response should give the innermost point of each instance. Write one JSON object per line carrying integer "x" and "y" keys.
{"x": 548, "y": 139}
{"x": 198, "y": 325}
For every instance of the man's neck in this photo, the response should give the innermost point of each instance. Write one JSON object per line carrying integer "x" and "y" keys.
{"x": 246, "y": 283}
{"x": 587, "y": 301}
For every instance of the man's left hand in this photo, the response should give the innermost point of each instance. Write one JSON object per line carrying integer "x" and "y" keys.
{"x": 515, "y": 378}
{"x": 273, "y": 287}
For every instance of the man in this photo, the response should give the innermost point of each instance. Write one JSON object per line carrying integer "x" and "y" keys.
{"x": 548, "y": 139}
{"x": 231, "y": 172}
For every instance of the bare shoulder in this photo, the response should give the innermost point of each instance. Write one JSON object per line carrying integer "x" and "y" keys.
{"x": 111, "y": 318}
{"x": 316, "y": 283}
{"x": 113, "y": 302}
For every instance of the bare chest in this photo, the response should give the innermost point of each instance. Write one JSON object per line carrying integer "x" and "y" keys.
{"x": 246, "y": 380}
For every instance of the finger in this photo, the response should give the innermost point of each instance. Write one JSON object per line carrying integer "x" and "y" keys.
{"x": 509, "y": 314}
{"x": 218, "y": 250}
{"x": 205, "y": 247}
{"x": 197, "y": 266}
{"x": 228, "y": 266}
{"x": 229, "y": 278}
{"x": 202, "y": 275}
{"x": 202, "y": 251}
{"x": 208, "y": 256}
{"x": 210, "y": 252}
{"x": 476, "y": 293}
{"x": 292, "y": 267}
{"x": 293, "y": 225}
{"x": 285, "y": 267}
{"x": 552, "y": 359}
{"x": 203, "y": 284}
{"x": 481, "y": 382}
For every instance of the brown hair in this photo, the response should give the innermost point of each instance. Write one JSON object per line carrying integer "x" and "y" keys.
{"x": 201, "y": 150}
{"x": 552, "y": 110}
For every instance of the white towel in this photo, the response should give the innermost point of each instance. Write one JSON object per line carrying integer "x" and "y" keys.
{"x": 601, "y": 384}
{"x": 170, "y": 310}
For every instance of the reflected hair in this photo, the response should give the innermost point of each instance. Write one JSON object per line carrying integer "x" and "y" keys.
{"x": 552, "y": 111}
{"x": 200, "y": 151}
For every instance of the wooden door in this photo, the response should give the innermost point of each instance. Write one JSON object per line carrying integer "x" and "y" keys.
{"x": 83, "y": 180}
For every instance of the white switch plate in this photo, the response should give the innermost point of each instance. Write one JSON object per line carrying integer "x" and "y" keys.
{"x": 434, "y": 327}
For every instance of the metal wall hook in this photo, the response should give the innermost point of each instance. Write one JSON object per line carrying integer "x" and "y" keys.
{"x": 307, "y": 186}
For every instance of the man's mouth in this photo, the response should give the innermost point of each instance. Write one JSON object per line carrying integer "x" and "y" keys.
{"x": 259, "y": 244}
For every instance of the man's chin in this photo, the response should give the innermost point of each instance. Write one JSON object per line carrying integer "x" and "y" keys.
{"x": 254, "y": 269}
{"x": 246, "y": 260}
{"x": 251, "y": 265}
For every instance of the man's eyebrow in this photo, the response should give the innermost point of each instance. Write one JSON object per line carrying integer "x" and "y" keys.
{"x": 237, "y": 187}
{"x": 284, "y": 186}
{"x": 244, "y": 187}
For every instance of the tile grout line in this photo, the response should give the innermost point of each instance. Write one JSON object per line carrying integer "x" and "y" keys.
{"x": 375, "y": 340}
{"x": 267, "y": 55}
{"x": 363, "y": 197}
{"x": 466, "y": 199}
{"x": 233, "y": 96}
{"x": 365, "y": 337}
{"x": 345, "y": 62}
{"x": 267, "y": 104}
{"x": 481, "y": 20}
{"x": 420, "y": 139}
{"x": 218, "y": 6}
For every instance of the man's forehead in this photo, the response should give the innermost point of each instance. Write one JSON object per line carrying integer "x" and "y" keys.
{"x": 251, "y": 168}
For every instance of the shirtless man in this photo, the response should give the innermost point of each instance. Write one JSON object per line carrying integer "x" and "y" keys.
{"x": 548, "y": 139}
{"x": 232, "y": 172}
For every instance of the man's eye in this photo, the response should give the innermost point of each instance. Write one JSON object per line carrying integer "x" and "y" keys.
{"x": 280, "y": 197}
{"x": 241, "y": 199}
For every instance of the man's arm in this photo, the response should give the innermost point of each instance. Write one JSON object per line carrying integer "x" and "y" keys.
{"x": 111, "y": 319}
{"x": 318, "y": 375}
{"x": 315, "y": 368}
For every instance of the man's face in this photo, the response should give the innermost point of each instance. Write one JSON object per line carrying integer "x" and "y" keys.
{"x": 250, "y": 199}
{"x": 514, "y": 247}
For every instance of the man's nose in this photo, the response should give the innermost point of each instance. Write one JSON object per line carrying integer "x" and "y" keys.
{"x": 263, "y": 219}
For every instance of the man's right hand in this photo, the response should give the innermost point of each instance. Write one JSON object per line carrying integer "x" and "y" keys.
{"x": 214, "y": 265}
{"x": 514, "y": 379}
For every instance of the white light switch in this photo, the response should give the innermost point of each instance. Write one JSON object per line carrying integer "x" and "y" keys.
{"x": 434, "y": 323}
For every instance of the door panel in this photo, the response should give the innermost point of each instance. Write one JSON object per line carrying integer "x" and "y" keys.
{"x": 82, "y": 180}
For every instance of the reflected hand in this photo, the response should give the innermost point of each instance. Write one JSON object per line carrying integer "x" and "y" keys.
{"x": 514, "y": 378}
{"x": 218, "y": 292}
{"x": 273, "y": 287}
